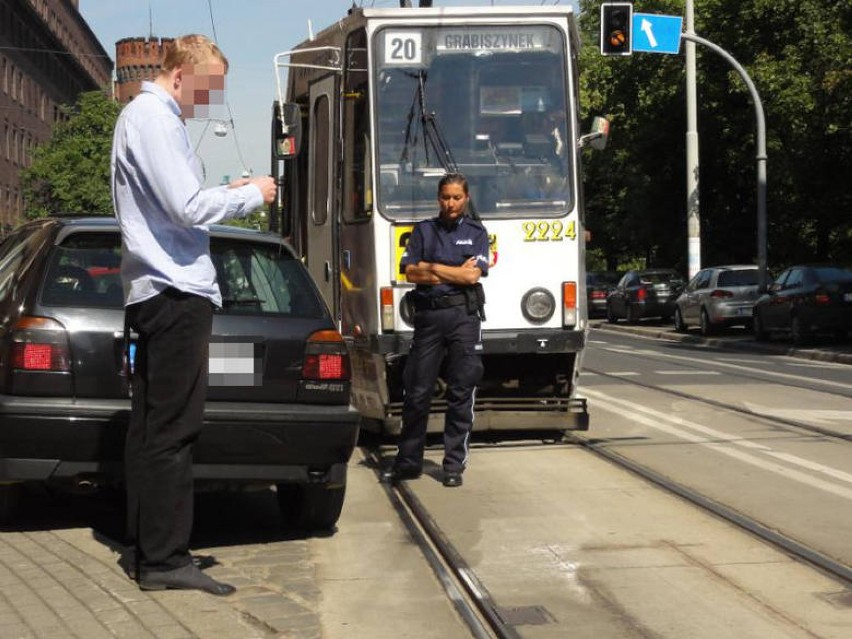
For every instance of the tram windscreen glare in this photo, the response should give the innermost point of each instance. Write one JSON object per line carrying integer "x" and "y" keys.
{"x": 489, "y": 102}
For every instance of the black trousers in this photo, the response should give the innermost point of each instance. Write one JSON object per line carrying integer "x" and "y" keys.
{"x": 454, "y": 335}
{"x": 167, "y": 407}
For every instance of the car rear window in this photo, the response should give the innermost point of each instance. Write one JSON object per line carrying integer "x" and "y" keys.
{"x": 833, "y": 274}
{"x": 85, "y": 270}
{"x": 659, "y": 278}
{"x": 746, "y": 277}
{"x": 257, "y": 278}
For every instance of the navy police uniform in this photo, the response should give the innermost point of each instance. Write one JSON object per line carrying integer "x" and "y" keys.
{"x": 444, "y": 327}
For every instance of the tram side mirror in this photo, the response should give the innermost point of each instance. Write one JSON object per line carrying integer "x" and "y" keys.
{"x": 598, "y": 136}
{"x": 288, "y": 130}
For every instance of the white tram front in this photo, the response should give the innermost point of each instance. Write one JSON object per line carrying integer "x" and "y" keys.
{"x": 374, "y": 110}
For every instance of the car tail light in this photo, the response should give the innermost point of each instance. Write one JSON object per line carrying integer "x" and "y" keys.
{"x": 569, "y": 304}
{"x": 641, "y": 293}
{"x": 598, "y": 295}
{"x": 40, "y": 344}
{"x": 386, "y": 298}
{"x": 821, "y": 297}
{"x": 719, "y": 293}
{"x": 326, "y": 357}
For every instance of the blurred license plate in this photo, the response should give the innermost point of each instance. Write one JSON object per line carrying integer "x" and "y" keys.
{"x": 235, "y": 364}
{"x": 743, "y": 311}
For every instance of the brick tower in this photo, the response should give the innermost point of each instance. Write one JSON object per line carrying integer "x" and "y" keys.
{"x": 137, "y": 59}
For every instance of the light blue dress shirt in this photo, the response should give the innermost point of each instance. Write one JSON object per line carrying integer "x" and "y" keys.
{"x": 160, "y": 205}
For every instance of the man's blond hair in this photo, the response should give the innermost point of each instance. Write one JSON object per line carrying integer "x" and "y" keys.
{"x": 192, "y": 49}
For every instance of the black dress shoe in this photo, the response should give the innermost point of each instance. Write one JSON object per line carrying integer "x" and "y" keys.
{"x": 128, "y": 562}
{"x": 393, "y": 474}
{"x": 452, "y": 479}
{"x": 187, "y": 577}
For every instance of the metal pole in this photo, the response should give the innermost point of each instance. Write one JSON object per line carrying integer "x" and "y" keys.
{"x": 760, "y": 154}
{"x": 693, "y": 214}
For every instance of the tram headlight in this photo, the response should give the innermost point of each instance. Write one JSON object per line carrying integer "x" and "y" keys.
{"x": 538, "y": 305}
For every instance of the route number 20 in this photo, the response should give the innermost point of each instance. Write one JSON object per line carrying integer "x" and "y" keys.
{"x": 403, "y": 47}
{"x": 549, "y": 231}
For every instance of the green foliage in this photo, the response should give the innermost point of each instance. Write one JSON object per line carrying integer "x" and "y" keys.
{"x": 798, "y": 56}
{"x": 70, "y": 174}
{"x": 257, "y": 220}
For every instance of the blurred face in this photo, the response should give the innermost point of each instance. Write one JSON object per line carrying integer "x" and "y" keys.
{"x": 453, "y": 201}
{"x": 201, "y": 86}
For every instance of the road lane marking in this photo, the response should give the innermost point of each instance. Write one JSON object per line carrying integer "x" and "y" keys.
{"x": 805, "y": 415}
{"x": 682, "y": 372}
{"x": 623, "y": 373}
{"x": 771, "y": 373}
{"x": 666, "y": 423}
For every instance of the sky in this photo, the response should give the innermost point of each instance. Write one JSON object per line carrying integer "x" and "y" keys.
{"x": 250, "y": 33}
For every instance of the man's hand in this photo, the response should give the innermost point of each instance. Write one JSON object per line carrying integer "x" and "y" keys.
{"x": 265, "y": 183}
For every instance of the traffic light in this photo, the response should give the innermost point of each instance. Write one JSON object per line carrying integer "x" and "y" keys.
{"x": 616, "y": 20}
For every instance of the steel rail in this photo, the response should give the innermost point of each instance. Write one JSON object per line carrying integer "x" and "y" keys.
{"x": 473, "y": 602}
{"x": 736, "y": 409}
{"x": 827, "y": 565}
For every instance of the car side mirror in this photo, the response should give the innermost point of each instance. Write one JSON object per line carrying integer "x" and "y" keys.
{"x": 597, "y": 137}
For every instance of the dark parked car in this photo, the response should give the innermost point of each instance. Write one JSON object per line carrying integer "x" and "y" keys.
{"x": 644, "y": 293}
{"x": 805, "y": 301}
{"x": 277, "y": 410}
{"x": 717, "y": 297}
{"x": 598, "y": 286}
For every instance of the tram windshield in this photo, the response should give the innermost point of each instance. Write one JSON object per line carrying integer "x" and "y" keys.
{"x": 489, "y": 102}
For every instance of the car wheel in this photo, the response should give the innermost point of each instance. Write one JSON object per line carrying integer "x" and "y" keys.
{"x": 760, "y": 333}
{"x": 633, "y": 315}
{"x": 311, "y": 506}
{"x": 10, "y": 498}
{"x": 610, "y": 315}
{"x": 797, "y": 332}
{"x": 680, "y": 325}
{"x": 707, "y": 327}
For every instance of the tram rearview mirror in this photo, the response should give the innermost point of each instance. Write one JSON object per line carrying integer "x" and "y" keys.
{"x": 598, "y": 136}
{"x": 287, "y": 130}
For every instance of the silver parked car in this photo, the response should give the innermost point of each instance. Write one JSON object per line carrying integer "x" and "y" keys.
{"x": 718, "y": 296}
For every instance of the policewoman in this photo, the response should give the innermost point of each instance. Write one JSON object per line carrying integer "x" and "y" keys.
{"x": 445, "y": 258}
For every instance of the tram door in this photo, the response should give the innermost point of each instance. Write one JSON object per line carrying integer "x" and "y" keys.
{"x": 322, "y": 232}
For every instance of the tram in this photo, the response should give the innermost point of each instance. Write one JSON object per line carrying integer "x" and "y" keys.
{"x": 369, "y": 114}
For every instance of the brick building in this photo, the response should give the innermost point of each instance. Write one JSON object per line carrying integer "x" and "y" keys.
{"x": 137, "y": 59}
{"x": 48, "y": 56}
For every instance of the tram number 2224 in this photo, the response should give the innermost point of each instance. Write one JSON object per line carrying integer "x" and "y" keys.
{"x": 549, "y": 231}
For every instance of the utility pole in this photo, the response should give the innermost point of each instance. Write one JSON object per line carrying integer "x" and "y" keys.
{"x": 693, "y": 217}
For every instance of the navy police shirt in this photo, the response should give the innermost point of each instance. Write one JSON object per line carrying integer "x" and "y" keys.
{"x": 435, "y": 241}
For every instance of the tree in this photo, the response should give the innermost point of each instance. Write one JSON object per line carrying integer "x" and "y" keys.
{"x": 797, "y": 53}
{"x": 71, "y": 173}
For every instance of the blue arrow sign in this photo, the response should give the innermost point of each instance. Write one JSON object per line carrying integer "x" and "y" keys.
{"x": 654, "y": 33}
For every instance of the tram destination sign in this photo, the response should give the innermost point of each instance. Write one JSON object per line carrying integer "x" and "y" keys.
{"x": 654, "y": 33}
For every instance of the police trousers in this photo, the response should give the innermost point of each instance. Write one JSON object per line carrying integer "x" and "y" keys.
{"x": 169, "y": 386}
{"x": 452, "y": 337}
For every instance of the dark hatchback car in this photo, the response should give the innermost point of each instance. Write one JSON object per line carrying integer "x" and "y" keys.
{"x": 644, "y": 293}
{"x": 598, "y": 286}
{"x": 277, "y": 410}
{"x": 806, "y": 301}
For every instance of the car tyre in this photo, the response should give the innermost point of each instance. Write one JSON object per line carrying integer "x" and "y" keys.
{"x": 707, "y": 328}
{"x": 610, "y": 315}
{"x": 759, "y": 330}
{"x": 798, "y": 334}
{"x": 311, "y": 506}
{"x": 10, "y": 499}
{"x": 680, "y": 325}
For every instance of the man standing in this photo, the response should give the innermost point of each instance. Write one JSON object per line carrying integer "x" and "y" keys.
{"x": 170, "y": 289}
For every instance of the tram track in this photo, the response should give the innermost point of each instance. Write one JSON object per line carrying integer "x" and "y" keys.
{"x": 773, "y": 419}
{"x": 831, "y": 567}
{"x": 469, "y": 596}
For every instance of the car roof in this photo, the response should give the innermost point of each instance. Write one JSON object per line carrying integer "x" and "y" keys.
{"x": 69, "y": 225}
